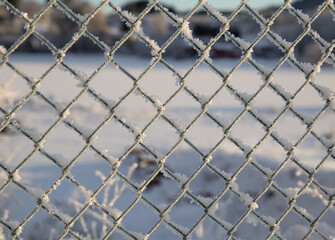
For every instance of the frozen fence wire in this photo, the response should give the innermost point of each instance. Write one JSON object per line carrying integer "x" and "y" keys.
{"x": 112, "y": 218}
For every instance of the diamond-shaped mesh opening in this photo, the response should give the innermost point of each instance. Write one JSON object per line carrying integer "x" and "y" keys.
{"x": 13, "y": 90}
{"x": 66, "y": 148}
{"x": 51, "y": 86}
{"x": 196, "y": 79}
{"x": 313, "y": 54}
{"x": 204, "y": 124}
{"x": 299, "y": 230}
{"x": 34, "y": 121}
{"x": 15, "y": 210}
{"x": 207, "y": 177}
{"x": 11, "y": 27}
{"x": 90, "y": 164}
{"x": 280, "y": 126}
{"x": 292, "y": 31}
{"x": 268, "y": 209}
{"x": 12, "y": 154}
{"x": 162, "y": 231}
{"x": 41, "y": 219}
{"x": 321, "y": 22}
{"x": 40, "y": 177}
{"x": 109, "y": 138}
{"x": 156, "y": 86}
{"x": 186, "y": 221}
{"x": 241, "y": 129}
{"x": 61, "y": 28}
{"x": 131, "y": 223}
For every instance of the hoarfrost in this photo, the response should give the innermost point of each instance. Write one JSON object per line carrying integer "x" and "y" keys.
{"x": 86, "y": 134}
{"x": 247, "y": 199}
{"x": 285, "y": 143}
{"x": 203, "y": 99}
{"x": 242, "y": 44}
{"x": 212, "y": 209}
{"x": 132, "y": 21}
{"x": 290, "y": 192}
{"x": 157, "y": 102}
{"x": 37, "y": 194}
{"x": 14, "y": 225}
{"x": 206, "y": 201}
{"x": 178, "y": 20}
{"x": 3, "y": 50}
{"x": 306, "y": 67}
{"x": 252, "y": 219}
{"x": 302, "y": 17}
{"x": 185, "y": 29}
{"x": 60, "y": 108}
{"x": 60, "y": 159}
{"x": 278, "y": 89}
{"x": 115, "y": 213}
{"x": 182, "y": 179}
{"x": 154, "y": 47}
{"x": 215, "y": 13}
{"x": 246, "y": 149}
{"x": 270, "y": 220}
{"x": 16, "y": 176}
{"x": 55, "y": 211}
{"x": 281, "y": 43}
{"x": 223, "y": 173}
{"x": 161, "y": 207}
{"x": 246, "y": 97}
{"x": 68, "y": 12}
{"x": 136, "y": 131}
{"x": 307, "y": 118}
{"x": 305, "y": 213}
{"x": 266, "y": 170}
{"x": 86, "y": 193}
{"x": 325, "y": 92}
{"x": 263, "y": 71}
{"x": 330, "y": 191}
{"x": 180, "y": 126}
{"x": 110, "y": 103}
{"x": 177, "y": 228}
{"x": 112, "y": 160}
{"x": 36, "y": 137}
{"x": 139, "y": 235}
{"x": 228, "y": 225}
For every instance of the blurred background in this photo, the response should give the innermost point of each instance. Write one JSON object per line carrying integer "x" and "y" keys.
{"x": 108, "y": 26}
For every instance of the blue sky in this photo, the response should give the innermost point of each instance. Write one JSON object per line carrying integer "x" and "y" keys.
{"x": 220, "y": 4}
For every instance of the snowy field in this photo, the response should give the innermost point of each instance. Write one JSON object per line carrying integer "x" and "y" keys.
{"x": 39, "y": 174}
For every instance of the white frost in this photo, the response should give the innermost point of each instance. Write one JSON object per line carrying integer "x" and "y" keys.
{"x": 60, "y": 107}
{"x": 55, "y": 211}
{"x": 16, "y": 176}
{"x": 182, "y": 179}
{"x": 325, "y": 92}
{"x": 278, "y": 89}
{"x": 253, "y": 219}
{"x": 215, "y": 13}
{"x": 3, "y": 50}
{"x": 285, "y": 143}
{"x": 303, "y": 18}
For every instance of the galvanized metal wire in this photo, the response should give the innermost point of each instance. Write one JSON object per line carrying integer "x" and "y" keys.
{"x": 181, "y": 25}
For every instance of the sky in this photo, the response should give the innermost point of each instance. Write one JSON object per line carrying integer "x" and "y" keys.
{"x": 183, "y": 5}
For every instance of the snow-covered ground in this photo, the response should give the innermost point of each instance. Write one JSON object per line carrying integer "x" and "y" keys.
{"x": 90, "y": 169}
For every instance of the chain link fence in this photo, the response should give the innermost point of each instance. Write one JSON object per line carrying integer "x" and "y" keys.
{"x": 112, "y": 220}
